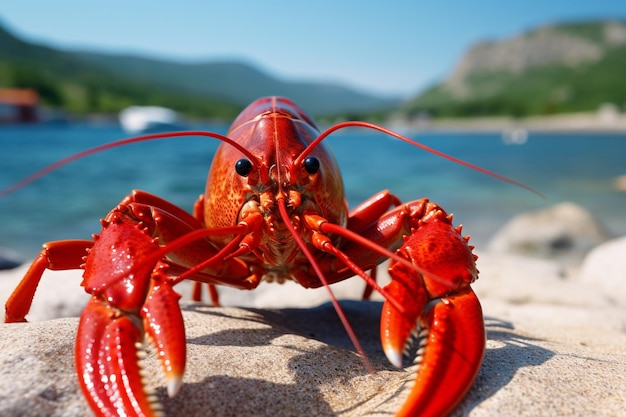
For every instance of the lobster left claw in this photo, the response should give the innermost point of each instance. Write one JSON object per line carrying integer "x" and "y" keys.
{"x": 128, "y": 302}
{"x": 442, "y": 310}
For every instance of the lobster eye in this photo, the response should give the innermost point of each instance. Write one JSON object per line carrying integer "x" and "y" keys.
{"x": 311, "y": 164}
{"x": 243, "y": 167}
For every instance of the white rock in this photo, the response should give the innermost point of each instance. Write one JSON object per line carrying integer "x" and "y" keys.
{"x": 519, "y": 279}
{"x": 555, "y": 347}
{"x": 619, "y": 183}
{"x": 9, "y": 259}
{"x": 565, "y": 231}
{"x": 605, "y": 269}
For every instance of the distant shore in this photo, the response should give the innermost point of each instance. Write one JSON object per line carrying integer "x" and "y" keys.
{"x": 609, "y": 122}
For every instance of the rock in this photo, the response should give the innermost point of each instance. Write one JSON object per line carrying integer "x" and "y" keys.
{"x": 544, "y": 294}
{"x": 535, "y": 366}
{"x": 251, "y": 362}
{"x": 243, "y": 362}
{"x": 619, "y": 183}
{"x": 555, "y": 346}
{"x": 519, "y": 279}
{"x": 9, "y": 259}
{"x": 605, "y": 268}
{"x": 565, "y": 231}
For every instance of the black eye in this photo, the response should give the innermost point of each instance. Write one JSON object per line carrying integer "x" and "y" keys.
{"x": 311, "y": 164}
{"x": 243, "y": 167}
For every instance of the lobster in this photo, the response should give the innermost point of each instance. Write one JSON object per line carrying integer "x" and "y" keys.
{"x": 274, "y": 210}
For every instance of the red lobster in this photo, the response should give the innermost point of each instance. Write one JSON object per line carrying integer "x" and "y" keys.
{"x": 273, "y": 209}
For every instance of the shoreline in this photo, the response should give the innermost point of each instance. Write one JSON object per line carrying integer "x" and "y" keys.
{"x": 592, "y": 122}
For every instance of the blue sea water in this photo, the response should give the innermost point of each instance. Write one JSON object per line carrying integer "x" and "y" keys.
{"x": 69, "y": 202}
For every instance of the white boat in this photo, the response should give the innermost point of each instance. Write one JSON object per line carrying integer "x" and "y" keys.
{"x": 515, "y": 136}
{"x": 142, "y": 119}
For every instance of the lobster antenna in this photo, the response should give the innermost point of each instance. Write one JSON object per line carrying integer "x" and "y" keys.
{"x": 62, "y": 162}
{"x": 344, "y": 320}
{"x": 389, "y": 132}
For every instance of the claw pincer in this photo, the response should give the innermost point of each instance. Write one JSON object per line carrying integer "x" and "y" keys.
{"x": 130, "y": 300}
{"x": 441, "y": 310}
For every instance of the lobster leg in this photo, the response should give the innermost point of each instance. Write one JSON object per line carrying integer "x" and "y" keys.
{"x": 367, "y": 213}
{"x": 60, "y": 255}
{"x": 196, "y": 293}
{"x": 127, "y": 273}
{"x": 429, "y": 296}
{"x": 383, "y": 229}
{"x": 371, "y": 210}
{"x": 441, "y": 308}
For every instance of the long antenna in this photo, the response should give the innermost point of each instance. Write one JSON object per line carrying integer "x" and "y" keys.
{"x": 62, "y": 162}
{"x": 389, "y": 132}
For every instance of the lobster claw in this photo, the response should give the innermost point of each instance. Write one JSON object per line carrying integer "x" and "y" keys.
{"x": 131, "y": 303}
{"x": 442, "y": 311}
{"x": 164, "y": 325}
{"x": 108, "y": 352}
{"x": 107, "y": 362}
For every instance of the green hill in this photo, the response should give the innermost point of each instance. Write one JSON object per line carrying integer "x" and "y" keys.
{"x": 554, "y": 69}
{"x": 237, "y": 82}
{"x": 86, "y": 82}
{"x": 65, "y": 81}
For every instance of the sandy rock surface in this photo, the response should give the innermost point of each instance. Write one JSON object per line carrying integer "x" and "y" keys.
{"x": 240, "y": 362}
{"x": 556, "y": 345}
{"x": 554, "y": 348}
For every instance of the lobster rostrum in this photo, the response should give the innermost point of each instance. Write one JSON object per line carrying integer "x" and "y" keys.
{"x": 274, "y": 210}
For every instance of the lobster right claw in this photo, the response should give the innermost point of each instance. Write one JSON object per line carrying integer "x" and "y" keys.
{"x": 107, "y": 361}
{"x": 108, "y": 352}
{"x": 132, "y": 302}
{"x": 443, "y": 311}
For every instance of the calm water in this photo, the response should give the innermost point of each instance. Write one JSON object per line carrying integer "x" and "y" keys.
{"x": 68, "y": 203}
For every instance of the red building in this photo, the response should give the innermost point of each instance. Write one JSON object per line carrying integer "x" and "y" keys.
{"x": 18, "y": 105}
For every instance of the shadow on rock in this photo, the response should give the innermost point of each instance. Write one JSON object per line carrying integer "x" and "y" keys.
{"x": 319, "y": 363}
{"x": 320, "y": 323}
{"x": 254, "y": 398}
{"x": 507, "y": 352}
{"x": 297, "y": 362}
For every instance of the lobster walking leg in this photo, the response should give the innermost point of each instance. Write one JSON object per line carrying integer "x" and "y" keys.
{"x": 60, "y": 255}
{"x": 366, "y": 213}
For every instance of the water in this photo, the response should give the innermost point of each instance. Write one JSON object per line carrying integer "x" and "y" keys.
{"x": 69, "y": 202}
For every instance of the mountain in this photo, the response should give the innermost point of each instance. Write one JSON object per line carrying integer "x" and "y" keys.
{"x": 66, "y": 82}
{"x": 85, "y": 82}
{"x": 237, "y": 82}
{"x": 558, "y": 68}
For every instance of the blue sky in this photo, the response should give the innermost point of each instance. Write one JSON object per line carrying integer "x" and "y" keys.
{"x": 390, "y": 47}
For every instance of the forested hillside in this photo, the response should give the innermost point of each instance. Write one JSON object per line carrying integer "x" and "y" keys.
{"x": 554, "y": 69}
